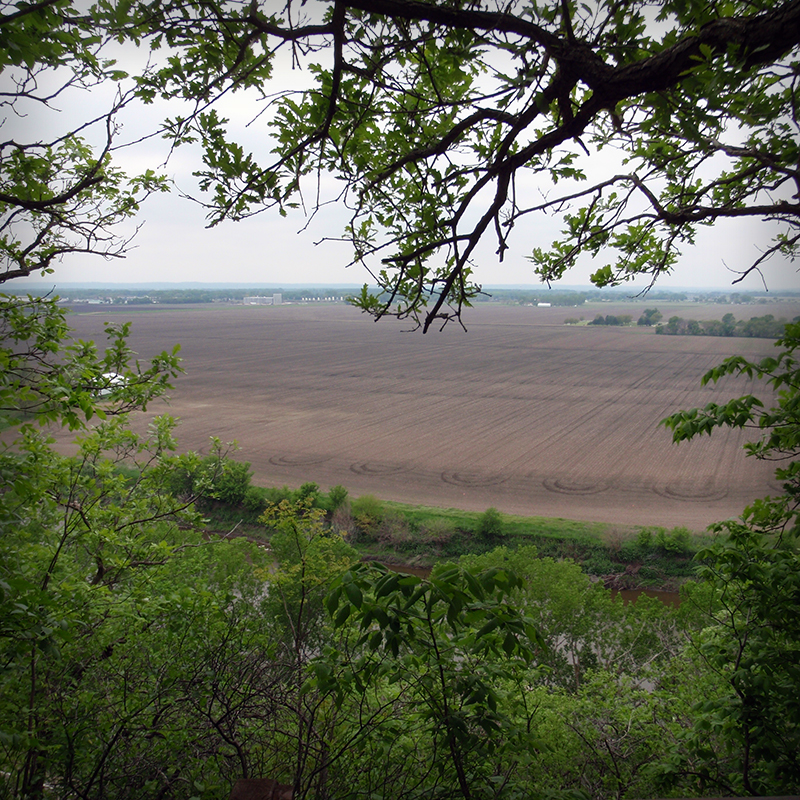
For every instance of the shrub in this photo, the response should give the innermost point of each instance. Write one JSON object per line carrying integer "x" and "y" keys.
{"x": 275, "y": 495}
{"x": 255, "y": 500}
{"x": 232, "y": 482}
{"x": 342, "y": 522}
{"x": 645, "y": 538}
{"x": 599, "y": 564}
{"x": 490, "y": 525}
{"x": 676, "y": 541}
{"x": 438, "y": 531}
{"x": 367, "y": 513}
{"x": 308, "y": 490}
{"x": 336, "y": 497}
{"x": 394, "y": 529}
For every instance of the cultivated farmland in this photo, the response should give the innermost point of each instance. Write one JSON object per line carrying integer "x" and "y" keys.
{"x": 521, "y": 412}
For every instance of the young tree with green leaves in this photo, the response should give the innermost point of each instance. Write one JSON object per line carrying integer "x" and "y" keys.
{"x": 451, "y": 655}
{"x": 752, "y": 639}
{"x": 134, "y": 655}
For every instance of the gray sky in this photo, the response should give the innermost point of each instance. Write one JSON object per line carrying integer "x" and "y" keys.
{"x": 173, "y": 244}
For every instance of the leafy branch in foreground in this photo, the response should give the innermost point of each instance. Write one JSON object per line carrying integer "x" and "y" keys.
{"x": 752, "y": 641}
{"x": 48, "y": 377}
{"x": 451, "y": 650}
{"x": 449, "y": 126}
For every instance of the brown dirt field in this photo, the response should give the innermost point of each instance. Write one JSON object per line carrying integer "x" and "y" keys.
{"x": 521, "y": 412}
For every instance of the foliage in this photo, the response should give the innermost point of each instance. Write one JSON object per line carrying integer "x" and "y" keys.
{"x": 452, "y": 647}
{"x": 766, "y": 327}
{"x": 337, "y": 496}
{"x": 444, "y": 121}
{"x": 45, "y": 376}
{"x": 583, "y": 626}
{"x": 86, "y": 542}
{"x": 490, "y": 525}
{"x": 752, "y": 639}
{"x": 214, "y": 478}
{"x": 650, "y": 317}
{"x": 612, "y": 319}
{"x": 368, "y": 513}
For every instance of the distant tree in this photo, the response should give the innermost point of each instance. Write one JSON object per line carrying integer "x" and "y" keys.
{"x": 650, "y": 317}
{"x": 713, "y": 327}
{"x": 728, "y": 324}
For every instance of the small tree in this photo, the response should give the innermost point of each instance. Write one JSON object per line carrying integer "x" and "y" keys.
{"x": 490, "y": 526}
{"x": 753, "y": 641}
{"x": 650, "y": 317}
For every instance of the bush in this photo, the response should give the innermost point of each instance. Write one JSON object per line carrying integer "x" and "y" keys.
{"x": 438, "y": 531}
{"x": 275, "y": 495}
{"x": 600, "y": 565}
{"x": 308, "y": 490}
{"x": 336, "y": 497}
{"x": 677, "y": 541}
{"x": 231, "y": 483}
{"x": 255, "y": 500}
{"x": 645, "y": 538}
{"x": 394, "y": 529}
{"x": 367, "y": 513}
{"x": 490, "y": 525}
{"x": 342, "y": 522}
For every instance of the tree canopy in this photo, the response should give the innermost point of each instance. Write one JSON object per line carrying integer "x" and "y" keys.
{"x": 447, "y": 123}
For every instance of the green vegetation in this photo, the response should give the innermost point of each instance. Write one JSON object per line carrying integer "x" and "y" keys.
{"x": 144, "y": 659}
{"x": 402, "y": 534}
{"x": 766, "y": 327}
{"x": 650, "y": 317}
{"x": 612, "y": 319}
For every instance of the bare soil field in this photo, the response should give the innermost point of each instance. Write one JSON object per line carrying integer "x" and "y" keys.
{"x": 521, "y": 412}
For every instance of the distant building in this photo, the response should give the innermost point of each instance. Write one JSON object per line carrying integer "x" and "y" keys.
{"x": 275, "y": 300}
{"x": 543, "y": 305}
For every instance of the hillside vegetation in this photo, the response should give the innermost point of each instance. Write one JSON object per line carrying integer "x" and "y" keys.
{"x": 144, "y": 658}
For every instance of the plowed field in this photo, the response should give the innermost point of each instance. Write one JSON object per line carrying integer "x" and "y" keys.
{"x": 521, "y": 412}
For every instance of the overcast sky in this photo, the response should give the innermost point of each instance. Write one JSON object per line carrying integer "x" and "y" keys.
{"x": 173, "y": 244}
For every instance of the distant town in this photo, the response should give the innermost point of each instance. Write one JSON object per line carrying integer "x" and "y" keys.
{"x": 533, "y": 296}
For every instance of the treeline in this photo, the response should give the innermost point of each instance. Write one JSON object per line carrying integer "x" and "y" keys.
{"x": 766, "y": 327}
{"x": 400, "y": 533}
{"x": 176, "y": 296}
{"x": 612, "y": 319}
{"x": 569, "y": 297}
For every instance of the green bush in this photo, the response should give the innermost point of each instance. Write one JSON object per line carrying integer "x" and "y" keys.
{"x": 490, "y": 525}
{"x": 368, "y": 514}
{"x": 255, "y": 500}
{"x": 337, "y": 496}
{"x": 645, "y": 538}
{"x": 275, "y": 495}
{"x": 308, "y": 490}
{"x": 231, "y": 483}
{"x": 677, "y": 541}
{"x": 600, "y": 565}
{"x": 438, "y": 531}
